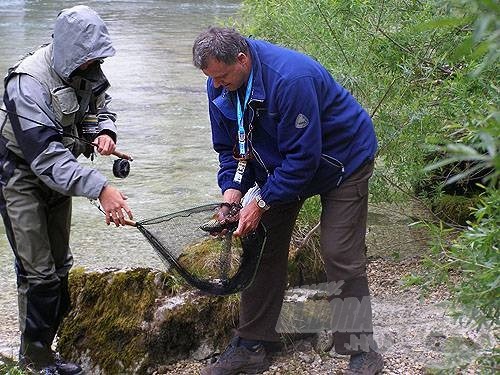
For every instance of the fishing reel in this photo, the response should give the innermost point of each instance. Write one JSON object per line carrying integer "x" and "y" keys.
{"x": 90, "y": 130}
{"x": 121, "y": 168}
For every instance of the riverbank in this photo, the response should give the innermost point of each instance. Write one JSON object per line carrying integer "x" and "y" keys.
{"x": 414, "y": 330}
{"x": 415, "y": 333}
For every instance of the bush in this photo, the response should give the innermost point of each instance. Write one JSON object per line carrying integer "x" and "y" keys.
{"x": 400, "y": 60}
{"x": 427, "y": 72}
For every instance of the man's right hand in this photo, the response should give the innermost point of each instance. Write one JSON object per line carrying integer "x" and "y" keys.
{"x": 113, "y": 204}
{"x": 232, "y": 196}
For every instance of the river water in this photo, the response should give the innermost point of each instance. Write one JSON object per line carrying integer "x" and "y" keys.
{"x": 162, "y": 118}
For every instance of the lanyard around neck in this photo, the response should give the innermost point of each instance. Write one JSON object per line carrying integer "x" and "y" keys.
{"x": 240, "y": 111}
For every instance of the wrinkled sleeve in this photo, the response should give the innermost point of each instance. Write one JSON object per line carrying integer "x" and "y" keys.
{"x": 42, "y": 144}
{"x": 106, "y": 118}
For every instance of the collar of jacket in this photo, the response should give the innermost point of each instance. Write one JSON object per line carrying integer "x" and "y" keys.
{"x": 224, "y": 103}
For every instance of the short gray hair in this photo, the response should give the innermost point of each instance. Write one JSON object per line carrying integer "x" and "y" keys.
{"x": 223, "y": 44}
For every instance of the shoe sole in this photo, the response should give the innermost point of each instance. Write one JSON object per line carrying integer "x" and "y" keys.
{"x": 253, "y": 370}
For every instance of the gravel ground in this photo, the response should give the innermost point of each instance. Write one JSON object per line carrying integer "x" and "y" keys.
{"x": 411, "y": 330}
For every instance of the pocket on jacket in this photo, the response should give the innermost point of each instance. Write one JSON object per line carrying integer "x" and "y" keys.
{"x": 65, "y": 105}
{"x": 334, "y": 166}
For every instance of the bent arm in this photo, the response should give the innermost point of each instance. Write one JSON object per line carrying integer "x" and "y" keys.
{"x": 42, "y": 146}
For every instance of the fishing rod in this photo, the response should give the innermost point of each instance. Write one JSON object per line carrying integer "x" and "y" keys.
{"x": 121, "y": 167}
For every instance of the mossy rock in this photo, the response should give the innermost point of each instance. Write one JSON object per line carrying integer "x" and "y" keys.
{"x": 135, "y": 320}
{"x": 455, "y": 209}
{"x": 305, "y": 265}
{"x": 128, "y": 321}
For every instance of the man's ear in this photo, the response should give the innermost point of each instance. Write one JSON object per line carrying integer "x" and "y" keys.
{"x": 242, "y": 58}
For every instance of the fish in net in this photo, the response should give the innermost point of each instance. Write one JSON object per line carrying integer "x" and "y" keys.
{"x": 199, "y": 244}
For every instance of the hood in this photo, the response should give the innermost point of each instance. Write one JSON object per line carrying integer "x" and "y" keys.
{"x": 80, "y": 35}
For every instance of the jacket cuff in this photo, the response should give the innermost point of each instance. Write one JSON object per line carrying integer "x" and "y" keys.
{"x": 108, "y": 127}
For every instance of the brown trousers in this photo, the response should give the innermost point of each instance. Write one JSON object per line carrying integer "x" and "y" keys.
{"x": 343, "y": 249}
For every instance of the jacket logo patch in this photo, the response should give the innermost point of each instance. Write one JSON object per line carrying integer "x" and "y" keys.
{"x": 301, "y": 121}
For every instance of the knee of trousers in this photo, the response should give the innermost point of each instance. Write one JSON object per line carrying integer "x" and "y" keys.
{"x": 338, "y": 268}
{"x": 36, "y": 281}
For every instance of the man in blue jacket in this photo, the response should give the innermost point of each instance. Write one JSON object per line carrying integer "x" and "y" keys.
{"x": 279, "y": 120}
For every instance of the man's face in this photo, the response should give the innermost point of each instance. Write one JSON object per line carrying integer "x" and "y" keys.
{"x": 231, "y": 77}
{"x": 86, "y": 65}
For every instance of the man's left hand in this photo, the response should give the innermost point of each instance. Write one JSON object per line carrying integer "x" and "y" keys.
{"x": 105, "y": 144}
{"x": 250, "y": 216}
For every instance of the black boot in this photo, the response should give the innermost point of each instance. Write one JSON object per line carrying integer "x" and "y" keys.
{"x": 35, "y": 355}
{"x": 66, "y": 367}
{"x": 42, "y": 360}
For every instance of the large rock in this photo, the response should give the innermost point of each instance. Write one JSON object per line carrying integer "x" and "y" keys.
{"x": 133, "y": 321}
{"x": 130, "y": 321}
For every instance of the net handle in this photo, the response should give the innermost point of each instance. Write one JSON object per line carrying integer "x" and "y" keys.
{"x": 132, "y": 223}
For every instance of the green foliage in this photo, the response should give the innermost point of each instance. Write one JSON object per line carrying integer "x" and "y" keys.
{"x": 412, "y": 279}
{"x": 482, "y": 152}
{"x": 9, "y": 367}
{"x": 309, "y": 214}
{"x": 468, "y": 262}
{"x": 8, "y": 370}
{"x": 400, "y": 60}
{"x": 427, "y": 72}
{"x": 476, "y": 254}
{"x": 454, "y": 209}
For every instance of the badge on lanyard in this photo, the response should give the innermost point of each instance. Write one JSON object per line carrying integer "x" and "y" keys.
{"x": 239, "y": 171}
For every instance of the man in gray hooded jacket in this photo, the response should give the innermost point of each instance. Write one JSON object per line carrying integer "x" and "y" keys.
{"x": 48, "y": 94}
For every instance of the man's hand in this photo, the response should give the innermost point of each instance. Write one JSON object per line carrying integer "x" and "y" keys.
{"x": 225, "y": 218}
{"x": 105, "y": 144}
{"x": 250, "y": 216}
{"x": 113, "y": 204}
{"x": 232, "y": 196}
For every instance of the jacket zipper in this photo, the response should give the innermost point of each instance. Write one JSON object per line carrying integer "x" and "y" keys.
{"x": 254, "y": 151}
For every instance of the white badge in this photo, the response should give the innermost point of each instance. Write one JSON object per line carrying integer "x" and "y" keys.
{"x": 242, "y": 164}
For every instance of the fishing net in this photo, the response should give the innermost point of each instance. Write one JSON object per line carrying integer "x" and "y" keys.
{"x": 202, "y": 249}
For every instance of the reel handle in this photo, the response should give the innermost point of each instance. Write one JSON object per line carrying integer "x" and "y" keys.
{"x": 121, "y": 155}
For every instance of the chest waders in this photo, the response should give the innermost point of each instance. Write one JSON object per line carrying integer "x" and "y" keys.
{"x": 38, "y": 219}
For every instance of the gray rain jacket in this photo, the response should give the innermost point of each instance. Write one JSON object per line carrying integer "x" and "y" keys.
{"x": 47, "y": 87}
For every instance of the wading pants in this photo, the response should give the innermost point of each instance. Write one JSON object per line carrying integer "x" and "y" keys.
{"x": 37, "y": 222}
{"x": 343, "y": 229}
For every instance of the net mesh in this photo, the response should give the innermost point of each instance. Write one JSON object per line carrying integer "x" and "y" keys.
{"x": 217, "y": 265}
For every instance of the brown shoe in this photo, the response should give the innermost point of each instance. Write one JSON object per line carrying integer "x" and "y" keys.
{"x": 238, "y": 359}
{"x": 365, "y": 363}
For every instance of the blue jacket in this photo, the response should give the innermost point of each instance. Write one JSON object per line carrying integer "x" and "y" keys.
{"x": 308, "y": 133}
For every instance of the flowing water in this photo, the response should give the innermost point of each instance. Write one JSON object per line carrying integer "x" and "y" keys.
{"x": 162, "y": 117}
